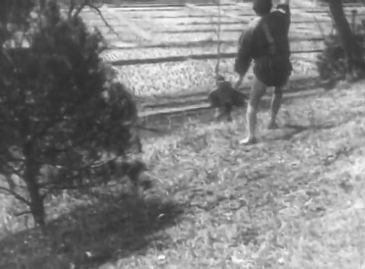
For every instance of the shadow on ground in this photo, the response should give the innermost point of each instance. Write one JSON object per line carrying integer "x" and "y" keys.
{"x": 294, "y": 129}
{"x": 109, "y": 229}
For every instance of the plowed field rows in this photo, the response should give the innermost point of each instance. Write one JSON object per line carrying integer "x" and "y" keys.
{"x": 170, "y": 78}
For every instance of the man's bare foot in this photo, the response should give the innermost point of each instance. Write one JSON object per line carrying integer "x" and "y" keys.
{"x": 248, "y": 141}
{"x": 272, "y": 126}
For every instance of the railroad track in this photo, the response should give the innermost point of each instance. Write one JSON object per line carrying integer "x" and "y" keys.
{"x": 156, "y": 60}
{"x": 197, "y": 101}
{"x": 168, "y": 122}
{"x": 190, "y": 44}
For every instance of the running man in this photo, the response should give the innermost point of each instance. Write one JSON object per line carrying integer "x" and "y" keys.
{"x": 266, "y": 42}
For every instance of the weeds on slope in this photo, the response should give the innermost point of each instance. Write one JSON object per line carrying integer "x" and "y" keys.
{"x": 275, "y": 204}
{"x": 295, "y": 200}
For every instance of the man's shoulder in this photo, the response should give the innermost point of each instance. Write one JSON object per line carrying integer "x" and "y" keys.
{"x": 247, "y": 32}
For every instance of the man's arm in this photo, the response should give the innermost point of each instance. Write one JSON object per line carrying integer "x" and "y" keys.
{"x": 283, "y": 6}
{"x": 244, "y": 54}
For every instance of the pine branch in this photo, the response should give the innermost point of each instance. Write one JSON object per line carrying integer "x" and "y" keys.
{"x": 98, "y": 11}
{"x": 16, "y": 195}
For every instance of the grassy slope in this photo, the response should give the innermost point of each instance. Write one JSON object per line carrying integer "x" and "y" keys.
{"x": 296, "y": 200}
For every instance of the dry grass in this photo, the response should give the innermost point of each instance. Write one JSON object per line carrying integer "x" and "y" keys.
{"x": 296, "y": 200}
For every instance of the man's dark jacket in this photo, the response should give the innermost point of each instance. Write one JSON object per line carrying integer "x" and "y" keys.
{"x": 254, "y": 44}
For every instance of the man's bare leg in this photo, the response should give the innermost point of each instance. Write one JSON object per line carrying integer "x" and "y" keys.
{"x": 275, "y": 107}
{"x": 258, "y": 90}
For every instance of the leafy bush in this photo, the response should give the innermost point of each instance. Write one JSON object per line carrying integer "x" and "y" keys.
{"x": 58, "y": 107}
{"x": 331, "y": 62}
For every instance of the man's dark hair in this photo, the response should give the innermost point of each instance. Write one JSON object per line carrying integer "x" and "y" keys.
{"x": 262, "y": 7}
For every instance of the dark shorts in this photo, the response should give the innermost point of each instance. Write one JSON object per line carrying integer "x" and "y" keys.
{"x": 273, "y": 71}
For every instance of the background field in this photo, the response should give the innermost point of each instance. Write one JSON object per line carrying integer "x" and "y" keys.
{"x": 168, "y": 32}
{"x": 178, "y": 45}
